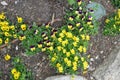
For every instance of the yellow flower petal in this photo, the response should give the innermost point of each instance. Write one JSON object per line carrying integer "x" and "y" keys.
{"x": 7, "y": 57}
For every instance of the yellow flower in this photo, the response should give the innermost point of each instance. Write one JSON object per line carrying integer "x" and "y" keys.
{"x": 63, "y": 43}
{"x": 78, "y": 24}
{"x": 64, "y": 50}
{"x": 53, "y": 36}
{"x": 39, "y": 45}
{"x": 79, "y": 3}
{"x": 80, "y": 29}
{"x": 23, "y": 27}
{"x": 32, "y": 48}
{"x": 43, "y": 49}
{"x": 68, "y": 63}
{"x": 47, "y": 26}
{"x": 114, "y": 26}
{"x": 80, "y": 48}
{"x": 61, "y": 35}
{"x": 13, "y": 71}
{"x": 68, "y": 54}
{"x": 60, "y": 69}
{"x": 59, "y": 48}
{"x": 19, "y": 19}
{"x": 70, "y": 27}
{"x": 85, "y": 65}
{"x": 22, "y": 37}
{"x": 74, "y": 68}
{"x": 70, "y": 18}
{"x": 50, "y": 48}
{"x": 5, "y": 23}
{"x": 82, "y": 58}
{"x": 60, "y": 39}
{"x": 1, "y": 41}
{"x": 7, "y": 34}
{"x": 66, "y": 41}
{"x": 64, "y": 31}
{"x": 84, "y": 49}
{"x": 72, "y": 51}
{"x": 12, "y": 27}
{"x": 76, "y": 39}
{"x": 46, "y": 38}
{"x": 118, "y": 13}
{"x": 76, "y": 12}
{"x": 58, "y": 65}
{"x": 17, "y": 75}
{"x": 89, "y": 23}
{"x": 69, "y": 35}
{"x": 2, "y": 15}
{"x": 91, "y": 26}
{"x": 83, "y": 37}
{"x": 7, "y": 57}
{"x": 107, "y": 21}
{"x": 87, "y": 37}
{"x": 15, "y": 35}
{"x": 74, "y": 63}
{"x": 65, "y": 59}
{"x": 5, "y": 28}
{"x": 49, "y": 43}
{"x": 7, "y": 40}
{"x": 76, "y": 58}
{"x": 74, "y": 44}
{"x": 53, "y": 59}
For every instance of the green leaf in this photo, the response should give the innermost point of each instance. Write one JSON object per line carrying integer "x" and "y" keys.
{"x": 71, "y": 2}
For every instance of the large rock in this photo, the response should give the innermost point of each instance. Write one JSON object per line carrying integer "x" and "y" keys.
{"x": 99, "y": 10}
{"x": 67, "y": 77}
{"x": 110, "y": 69}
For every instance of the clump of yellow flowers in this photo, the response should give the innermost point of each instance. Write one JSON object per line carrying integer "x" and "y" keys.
{"x": 10, "y": 31}
{"x": 19, "y": 70}
{"x": 66, "y": 55}
{"x": 15, "y": 73}
{"x": 112, "y": 24}
{"x": 6, "y": 29}
{"x": 69, "y": 52}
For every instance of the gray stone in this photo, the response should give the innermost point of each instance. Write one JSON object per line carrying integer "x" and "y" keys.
{"x": 66, "y": 77}
{"x": 99, "y": 10}
{"x": 110, "y": 69}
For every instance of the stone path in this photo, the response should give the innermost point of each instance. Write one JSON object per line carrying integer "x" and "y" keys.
{"x": 110, "y": 69}
{"x": 68, "y": 77}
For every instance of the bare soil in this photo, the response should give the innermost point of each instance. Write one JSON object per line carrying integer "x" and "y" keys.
{"x": 41, "y": 11}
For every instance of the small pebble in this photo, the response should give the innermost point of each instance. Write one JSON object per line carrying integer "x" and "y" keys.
{"x": 91, "y": 78}
{"x": 104, "y": 56}
{"x": 115, "y": 42}
{"x": 101, "y": 52}
{"x": 16, "y": 2}
{"x": 91, "y": 59}
{"x": 97, "y": 57}
{"x": 91, "y": 68}
{"x": 38, "y": 64}
{"x": 4, "y": 3}
{"x": 16, "y": 48}
{"x": 90, "y": 63}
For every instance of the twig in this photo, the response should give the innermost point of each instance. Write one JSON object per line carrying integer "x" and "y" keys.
{"x": 54, "y": 20}
{"x": 4, "y": 45}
